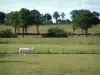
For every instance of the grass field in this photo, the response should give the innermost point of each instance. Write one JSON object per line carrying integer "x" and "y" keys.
{"x": 44, "y": 28}
{"x": 53, "y": 48}
{"x": 46, "y": 64}
{"x": 54, "y": 45}
{"x": 79, "y": 61}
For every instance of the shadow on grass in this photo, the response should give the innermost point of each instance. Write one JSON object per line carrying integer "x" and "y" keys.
{"x": 5, "y": 61}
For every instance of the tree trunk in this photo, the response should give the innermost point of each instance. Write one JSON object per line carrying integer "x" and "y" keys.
{"x": 82, "y": 30}
{"x": 26, "y": 30}
{"x": 74, "y": 29}
{"x": 37, "y": 26}
{"x": 23, "y": 32}
{"x": 18, "y": 30}
{"x": 56, "y": 21}
{"x": 15, "y": 30}
{"x": 86, "y": 32}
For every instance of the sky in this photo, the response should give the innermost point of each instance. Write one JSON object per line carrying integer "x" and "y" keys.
{"x": 50, "y": 6}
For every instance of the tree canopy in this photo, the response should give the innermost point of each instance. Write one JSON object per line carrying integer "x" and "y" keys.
{"x": 85, "y": 20}
{"x": 47, "y": 18}
{"x": 62, "y": 15}
{"x": 2, "y": 17}
{"x": 12, "y": 18}
{"x": 56, "y": 16}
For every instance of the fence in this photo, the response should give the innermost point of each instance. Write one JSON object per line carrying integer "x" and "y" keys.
{"x": 55, "y": 51}
{"x": 96, "y": 42}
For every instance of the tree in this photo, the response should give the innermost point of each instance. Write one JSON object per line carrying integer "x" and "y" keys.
{"x": 12, "y": 18}
{"x": 56, "y": 16}
{"x": 2, "y": 17}
{"x": 68, "y": 21}
{"x": 47, "y": 18}
{"x": 59, "y": 21}
{"x": 62, "y": 15}
{"x": 42, "y": 19}
{"x": 24, "y": 19}
{"x": 36, "y": 19}
{"x": 85, "y": 20}
{"x": 75, "y": 13}
{"x": 96, "y": 13}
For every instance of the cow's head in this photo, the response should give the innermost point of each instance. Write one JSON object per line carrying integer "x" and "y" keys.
{"x": 33, "y": 48}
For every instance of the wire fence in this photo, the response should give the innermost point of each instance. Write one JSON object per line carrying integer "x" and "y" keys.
{"x": 54, "y": 51}
{"x": 50, "y": 41}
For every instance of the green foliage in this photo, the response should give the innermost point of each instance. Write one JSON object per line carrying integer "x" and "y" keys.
{"x": 63, "y": 15}
{"x": 96, "y": 14}
{"x": 12, "y": 18}
{"x": 84, "y": 19}
{"x": 67, "y": 21}
{"x": 7, "y": 34}
{"x": 2, "y": 17}
{"x": 47, "y": 18}
{"x": 56, "y": 16}
{"x": 35, "y": 17}
{"x": 56, "y": 32}
{"x": 24, "y": 17}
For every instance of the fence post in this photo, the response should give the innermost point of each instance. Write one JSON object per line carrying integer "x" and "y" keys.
{"x": 63, "y": 51}
{"x": 6, "y": 51}
{"x": 92, "y": 50}
{"x": 77, "y": 50}
{"x": 48, "y": 51}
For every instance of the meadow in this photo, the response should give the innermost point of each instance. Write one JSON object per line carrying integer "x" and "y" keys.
{"x": 50, "y": 64}
{"x": 75, "y": 55}
{"x": 75, "y": 44}
{"x": 78, "y": 44}
{"x": 44, "y": 28}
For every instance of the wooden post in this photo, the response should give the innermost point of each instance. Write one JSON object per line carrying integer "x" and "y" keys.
{"x": 48, "y": 51}
{"x": 63, "y": 51}
{"x": 92, "y": 50}
{"x": 77, "y": 50}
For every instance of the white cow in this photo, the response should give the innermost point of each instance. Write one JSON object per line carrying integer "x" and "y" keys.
{"x": 26, "y": 50}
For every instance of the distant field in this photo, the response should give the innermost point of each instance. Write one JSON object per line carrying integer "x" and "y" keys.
{"x": 72, "y": 40}
{"x": 54, "y": 64}
{"x": 44, "y": 28}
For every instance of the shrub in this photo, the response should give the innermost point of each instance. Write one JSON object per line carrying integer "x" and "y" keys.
{"x": 7, "y": 34}
{"x": 56, "y": 32}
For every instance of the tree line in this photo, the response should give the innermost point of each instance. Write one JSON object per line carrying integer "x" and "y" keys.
{"x": 24, "y": 18}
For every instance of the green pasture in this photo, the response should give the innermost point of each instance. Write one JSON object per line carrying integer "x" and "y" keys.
{"x": 50, "y": 64}
{"x": 53, "y": 48}
{"x": 77, "y": 44}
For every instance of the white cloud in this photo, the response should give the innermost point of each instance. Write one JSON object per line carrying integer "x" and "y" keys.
{"x": 49, "y": 6}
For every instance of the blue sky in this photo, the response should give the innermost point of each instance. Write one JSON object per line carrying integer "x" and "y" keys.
{"x": 49, "y": 6}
